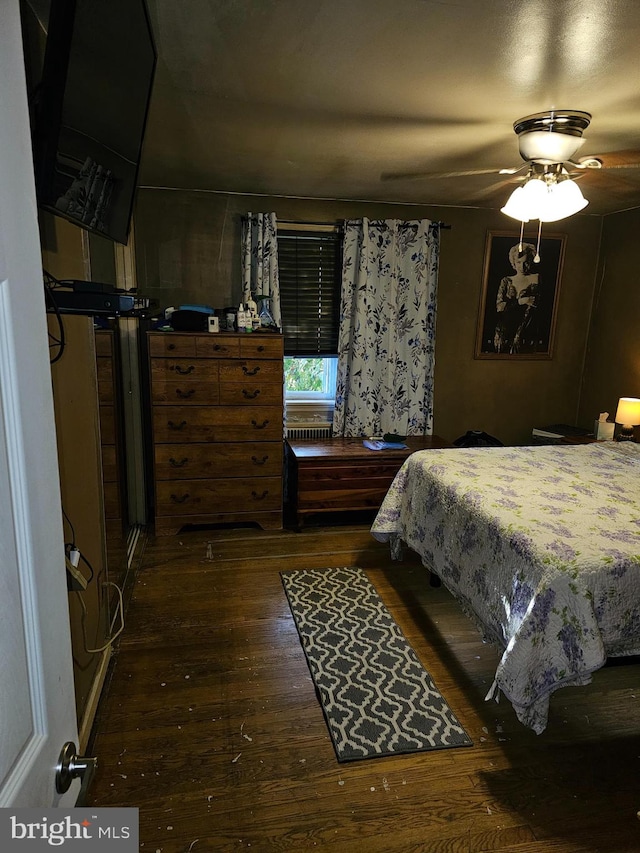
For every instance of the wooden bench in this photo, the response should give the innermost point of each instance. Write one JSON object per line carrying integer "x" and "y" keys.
{"x": 338, "y": 474}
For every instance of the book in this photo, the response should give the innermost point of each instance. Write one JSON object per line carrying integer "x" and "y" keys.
{"x": 379, "y": 444}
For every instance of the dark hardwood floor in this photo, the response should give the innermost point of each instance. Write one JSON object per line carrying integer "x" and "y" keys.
{"x": 210, "y": 724}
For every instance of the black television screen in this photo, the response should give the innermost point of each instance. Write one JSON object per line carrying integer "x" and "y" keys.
{"x": 90, "y": 111}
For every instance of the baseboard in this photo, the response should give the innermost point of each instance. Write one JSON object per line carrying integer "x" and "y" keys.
{"x": 84, "y": 729}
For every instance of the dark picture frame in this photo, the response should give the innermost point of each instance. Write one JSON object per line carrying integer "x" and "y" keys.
{"x": 519, "y": 298}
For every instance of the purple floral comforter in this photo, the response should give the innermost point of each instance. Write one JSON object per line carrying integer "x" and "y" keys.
{"x": 540, "y": 545}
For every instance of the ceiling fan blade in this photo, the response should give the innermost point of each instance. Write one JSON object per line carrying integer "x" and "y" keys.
{"x": 628, "y": 159}
{"x": 621, "y": 166}
{"x": 514, "y": 169}
{"x": 416, "y": 176}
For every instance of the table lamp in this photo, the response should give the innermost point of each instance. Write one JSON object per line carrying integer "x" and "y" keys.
{"x": 628, "y": 416}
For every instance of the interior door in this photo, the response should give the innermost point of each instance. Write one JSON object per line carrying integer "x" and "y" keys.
{"x": 37, "y": 713}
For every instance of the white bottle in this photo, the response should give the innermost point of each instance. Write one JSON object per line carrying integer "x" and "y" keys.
{"x": 252, "y": 311}
{"x": 241, "y": 318}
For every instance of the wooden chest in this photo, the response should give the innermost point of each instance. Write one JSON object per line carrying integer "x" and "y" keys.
{"x": 333, "y": 474}
{"x": 217, "y": 421}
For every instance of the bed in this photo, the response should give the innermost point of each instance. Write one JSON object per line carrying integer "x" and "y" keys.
{"x": 541, "y": 547}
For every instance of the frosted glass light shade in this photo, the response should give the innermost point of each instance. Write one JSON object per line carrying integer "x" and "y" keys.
{"x": 628, "y": 412}
{"x": 516, "y": 206}
{"x": 546, "y": 202}
{"x": 526, "y": 201}
{"x": 563, "y": 199}
{"x": 548, "y": 147}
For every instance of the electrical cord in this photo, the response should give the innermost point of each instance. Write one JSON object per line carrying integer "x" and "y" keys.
{"x": 73, "y": 533}
{"x": 89, "y": 566}
{"x": 72, "y": 550}
{"x": 115, "y": 636}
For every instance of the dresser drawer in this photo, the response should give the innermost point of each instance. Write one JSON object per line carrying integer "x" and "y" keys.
{"x": 217, "y": 346}
{"x": 197, "y": 497}
{"x": 247, "y": 370}
{"x": 180, "y": 424}
{"x": 161, "y": 344}
{"x": 107, "y": 425}
{"x": 106, "y": 381}
{"x": 262, "y": 346}
{"x": 109, "y": 463}
{"x": 112, "y": 507}
{"x": 104, "y": 343}
{"x": 184, "y": 393}
{"x": 246, "y": 394}
{"x": 185, "y": 369}
{"x": 241, "y": 459}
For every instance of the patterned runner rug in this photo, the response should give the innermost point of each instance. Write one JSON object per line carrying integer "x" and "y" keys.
{"x": 376, "y": 696}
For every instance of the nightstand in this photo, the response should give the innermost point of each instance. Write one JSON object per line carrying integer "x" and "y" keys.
{"x": 335, "y": 474}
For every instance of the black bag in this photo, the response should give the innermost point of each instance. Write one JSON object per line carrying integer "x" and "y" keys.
{"x": 477, "y": 438}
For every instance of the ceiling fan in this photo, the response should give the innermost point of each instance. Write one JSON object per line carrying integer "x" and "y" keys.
{"x": 546, "y": 140}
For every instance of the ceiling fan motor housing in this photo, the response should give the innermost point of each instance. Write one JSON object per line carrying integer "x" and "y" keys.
{"x": 551, "y": 137}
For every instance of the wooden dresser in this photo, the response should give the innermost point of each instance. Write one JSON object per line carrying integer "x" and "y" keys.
{"x": 217, "y": 422}
{"x": 337, "y": 474}
{"x": 108, "y": 370}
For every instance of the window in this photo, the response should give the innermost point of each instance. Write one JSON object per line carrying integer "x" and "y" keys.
{"x": 310, "y": 378}
{"x": 309, "y": 264}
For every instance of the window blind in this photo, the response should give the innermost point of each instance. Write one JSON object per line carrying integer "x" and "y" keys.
{"x": 309, "y": 266}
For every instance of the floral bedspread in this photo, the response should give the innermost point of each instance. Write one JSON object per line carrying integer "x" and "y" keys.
{"x": 541, "y": 545}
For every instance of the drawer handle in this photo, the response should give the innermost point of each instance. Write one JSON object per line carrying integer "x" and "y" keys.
{"x": 248, "y": 372}
{"x": 184, "y": 371}
{"x": 185, "y": 394}
{"x": 175, "y": 464}
{"x": 171, "y": 346}
{"x": 258, "y": 497}
{"x": 260, "y": 348}
{"x": 256, "y": 425}
{"x": 173, "y": 425}
{"x": 250, "y": 395}
{"x": 257, "y": 461}
{"x": 180, "y": 499}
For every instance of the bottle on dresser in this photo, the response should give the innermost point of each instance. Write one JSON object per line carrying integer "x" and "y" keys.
{"x": 241, "y": 318}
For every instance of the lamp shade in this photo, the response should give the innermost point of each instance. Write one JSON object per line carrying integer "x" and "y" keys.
{"x": 516, "y": 206}
{"x": 527, "y": 201}
{"x": 628, "y": 412}
{"x": 544, "y": 146}
{"x": 563, "y": 199}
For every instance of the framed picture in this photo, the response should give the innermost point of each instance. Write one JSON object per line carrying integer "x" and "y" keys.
{"x": 519, "y": 297}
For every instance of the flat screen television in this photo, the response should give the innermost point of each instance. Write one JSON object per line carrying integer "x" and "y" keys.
{"x": 90, "y": 111}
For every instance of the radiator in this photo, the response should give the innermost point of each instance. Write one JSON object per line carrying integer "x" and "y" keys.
{"x": 315, "y": 430}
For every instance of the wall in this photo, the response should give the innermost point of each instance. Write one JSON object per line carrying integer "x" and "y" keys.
{"x": 188, "y": 251}
{"x": 612, "y": 366}
{"x": 75, "y": 395}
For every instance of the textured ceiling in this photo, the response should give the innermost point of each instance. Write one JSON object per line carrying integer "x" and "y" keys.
{"x": 333, "y": 98}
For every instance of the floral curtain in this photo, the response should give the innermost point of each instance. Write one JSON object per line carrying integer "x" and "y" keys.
{"x": 386, "y": 346}
{"x": 260, "y": 260}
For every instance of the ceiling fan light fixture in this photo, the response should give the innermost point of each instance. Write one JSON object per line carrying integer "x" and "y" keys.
{"x": 516, "y": 206}
{"x": 563, "y": 199}
{"x": 553, "y": 136}
{"x": 526, "y": 202}
{"x": 548, "y": 147}
{"x": 545, "y": 198}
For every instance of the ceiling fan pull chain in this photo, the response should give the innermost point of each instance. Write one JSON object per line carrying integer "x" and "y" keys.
{"x": 536, "y": 260}
{"x": 521, "y": 234}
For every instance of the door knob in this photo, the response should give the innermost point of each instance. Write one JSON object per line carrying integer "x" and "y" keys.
{"x": 72, "y": 766}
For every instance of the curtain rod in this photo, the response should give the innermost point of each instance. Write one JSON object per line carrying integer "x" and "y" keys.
{"x": 335, "y": 225}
